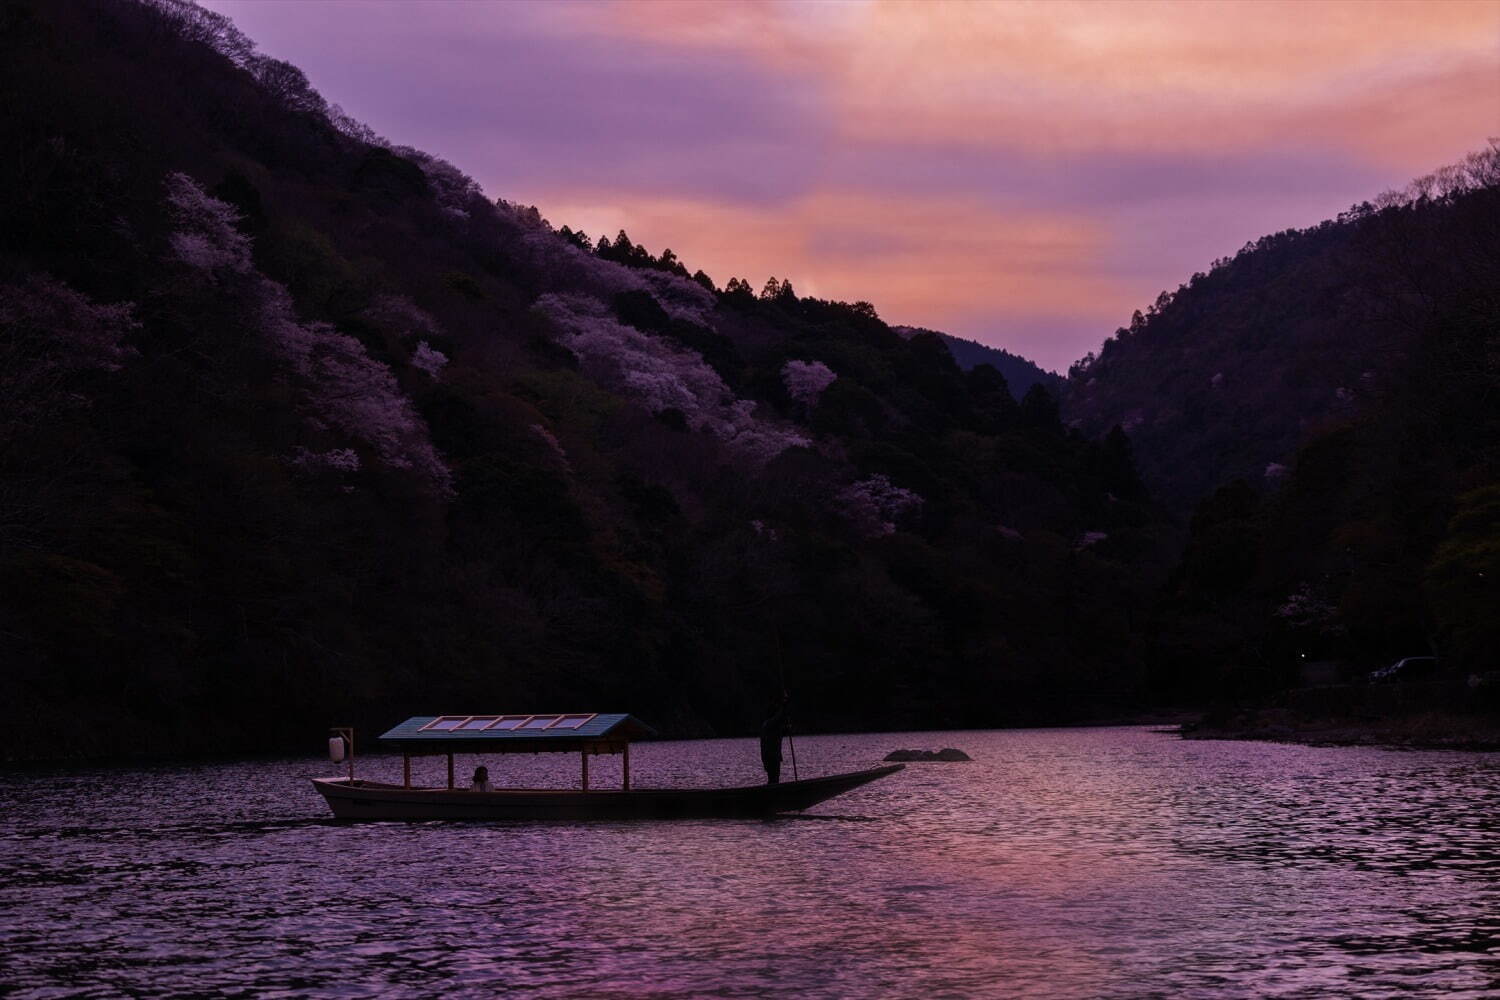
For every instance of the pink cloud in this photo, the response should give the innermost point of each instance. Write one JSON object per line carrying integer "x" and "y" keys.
{"x": 1026, "y": 174}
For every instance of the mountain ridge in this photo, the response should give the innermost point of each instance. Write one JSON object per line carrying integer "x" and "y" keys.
{"x": 1019, "y": 373}
{"x": 350, "y": 440}
{"x": 1227, "y": 376}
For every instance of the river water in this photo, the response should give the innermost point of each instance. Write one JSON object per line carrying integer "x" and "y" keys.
{"x": 1059, "y": 863}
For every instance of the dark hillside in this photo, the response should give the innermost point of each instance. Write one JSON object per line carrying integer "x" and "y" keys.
{"x": 1227, "y": 377}
{"x": 297, "y": 427}
{"x": 1379, "y": 538}
{"x": 1020, "y": 374}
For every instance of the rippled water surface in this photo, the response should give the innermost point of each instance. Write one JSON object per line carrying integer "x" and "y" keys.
{"x": 1059, "y": 863}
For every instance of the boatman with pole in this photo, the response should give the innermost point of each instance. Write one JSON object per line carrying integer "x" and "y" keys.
{"x": 772, "y": 730}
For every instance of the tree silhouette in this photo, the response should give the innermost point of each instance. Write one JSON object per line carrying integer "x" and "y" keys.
{"x": 1039, "y": 409}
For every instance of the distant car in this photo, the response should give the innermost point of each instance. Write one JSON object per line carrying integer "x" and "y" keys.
{"x": 1406, "y": 669}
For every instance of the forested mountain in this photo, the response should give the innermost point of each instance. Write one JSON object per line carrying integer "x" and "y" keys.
{"x": 1228, "y": 376}
{"x": 1019, "y": 373}
{"x": 1337, "y": 393}
{"x": 298, "y": 427}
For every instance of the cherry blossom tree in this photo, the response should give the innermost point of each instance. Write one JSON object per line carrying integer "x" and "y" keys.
{"x": 206, "y": 239}
{"x": 1308, "y": 609}
{"x": 343, "y": 390}
{"x": 429, "y": 359}
{"x": 663, "y": 376}
{"x": 806, "y": 380}
{"x": 874, "y": 505}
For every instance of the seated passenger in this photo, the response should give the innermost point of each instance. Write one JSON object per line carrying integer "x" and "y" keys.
{"x": 481, "y": 780}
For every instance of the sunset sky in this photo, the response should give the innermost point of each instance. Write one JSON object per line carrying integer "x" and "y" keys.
{"x": 1025, "y": 174}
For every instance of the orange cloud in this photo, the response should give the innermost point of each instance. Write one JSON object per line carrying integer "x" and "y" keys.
{"x": 1404, "y": 84}
{"x": 1024, "y": 172}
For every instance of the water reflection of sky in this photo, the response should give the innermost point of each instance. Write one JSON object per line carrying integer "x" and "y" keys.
{"x": 1059, "y": 863}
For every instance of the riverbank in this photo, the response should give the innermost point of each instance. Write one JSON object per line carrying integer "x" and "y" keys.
{"x": 1425, "y": 731}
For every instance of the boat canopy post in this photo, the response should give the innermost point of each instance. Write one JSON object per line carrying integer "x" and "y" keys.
{"x": 583, "y": 733}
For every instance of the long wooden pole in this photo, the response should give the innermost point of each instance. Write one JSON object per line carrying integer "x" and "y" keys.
{"x": 785, "y": 698}
{"x": 627, "y": 768}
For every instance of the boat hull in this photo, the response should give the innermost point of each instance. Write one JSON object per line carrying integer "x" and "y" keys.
{"x": 372, "y": 800}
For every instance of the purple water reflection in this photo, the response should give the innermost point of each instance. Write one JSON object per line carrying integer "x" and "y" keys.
{"x": 1059, "y": 863}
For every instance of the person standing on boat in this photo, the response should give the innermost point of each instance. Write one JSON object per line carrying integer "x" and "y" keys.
{"x": 481, "y": 780}
{"x": 776, "y": 726}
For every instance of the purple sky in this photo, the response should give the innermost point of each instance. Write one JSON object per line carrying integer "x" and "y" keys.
{"x": 1022, "y": 174}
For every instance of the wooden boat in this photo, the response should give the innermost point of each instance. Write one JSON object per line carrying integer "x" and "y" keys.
{"x": 377, "y": 800}
{"x": 587, "y": 734}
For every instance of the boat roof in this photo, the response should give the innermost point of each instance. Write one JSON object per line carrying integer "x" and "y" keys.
{"x": 516, "y": 733}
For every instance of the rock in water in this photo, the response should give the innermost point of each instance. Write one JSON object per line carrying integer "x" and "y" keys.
{"x": 947, "y": 753}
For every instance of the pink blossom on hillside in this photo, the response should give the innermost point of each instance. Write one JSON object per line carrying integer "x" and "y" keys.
{"x": 752, "y": 438}
{"x": 874, "y": 505}
{"x": 663, "y": 376}
{"x": 681, "y": 298}
{"x": 563, "y": 265}
{"x": 566, "y": 266}
{"x": 206, "y": 238}
{"x": 456, "y": 192}
{"x": 428, "y": 359}
{"x": 400, "y": 316}
{"x": 658, "y": 374}
{"x": 343, "y": 389}
{"x": 806, "y": 380}
{"x": 349, "y": 392}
